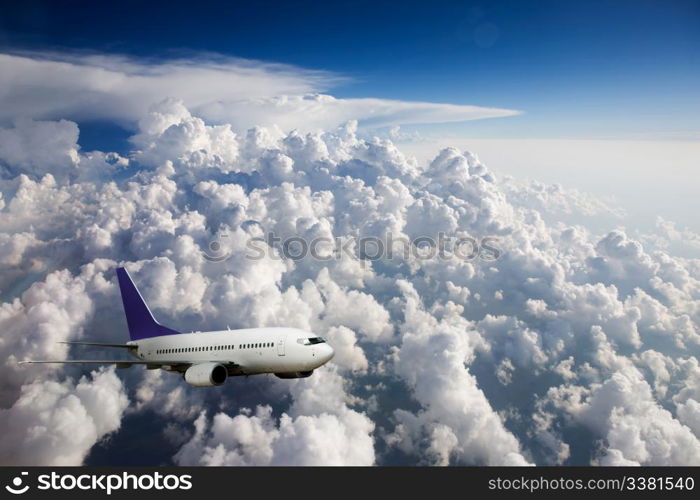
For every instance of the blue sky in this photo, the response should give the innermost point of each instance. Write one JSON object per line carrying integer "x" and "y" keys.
{"x": 624, "y": 69}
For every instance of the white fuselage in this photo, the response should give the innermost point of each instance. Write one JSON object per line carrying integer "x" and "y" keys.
{"x": 253, "y": 350}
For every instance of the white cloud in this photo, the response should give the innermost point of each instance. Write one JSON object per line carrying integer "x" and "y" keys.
{"x": 620, "y": 172}
{"x": 50, "y": 311}
{"x": 243, "y": 93}
{"x": 40, "y": 147}
{"x": 456, "y": 413}
{"x": 624, "y": 411}
{"x": 494, "y": 362}
{"x": 56, "y": 423}
{"x": 318, "y": 430}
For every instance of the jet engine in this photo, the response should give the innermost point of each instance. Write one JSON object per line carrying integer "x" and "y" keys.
{"x": 206, "y": 374}
{"x": 294, "y": 374}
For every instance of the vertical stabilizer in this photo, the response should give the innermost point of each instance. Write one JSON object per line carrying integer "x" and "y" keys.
{"x": 142, "y": 324}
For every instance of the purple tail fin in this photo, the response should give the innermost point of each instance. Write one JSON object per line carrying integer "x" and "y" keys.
{"x": 141, "y": 323}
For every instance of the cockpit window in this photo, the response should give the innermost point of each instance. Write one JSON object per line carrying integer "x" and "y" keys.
{"x": 311, "y": 340}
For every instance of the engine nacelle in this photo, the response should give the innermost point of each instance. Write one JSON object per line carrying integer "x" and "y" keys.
{"x": 206, "y": 374}
{"x": 294, "y": 374}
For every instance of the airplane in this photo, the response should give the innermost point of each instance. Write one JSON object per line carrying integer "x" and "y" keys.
{"x": 207, "y": 359}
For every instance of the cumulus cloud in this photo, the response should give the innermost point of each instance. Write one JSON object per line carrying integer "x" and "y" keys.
{"x": 456, "y": 415}
{"x": 56, "y": 423}
{"x": 635, "y": 427}
{"x": 320, "y": 429}
{"x": 569, "y": 333}
{"x": 40, "y": 147}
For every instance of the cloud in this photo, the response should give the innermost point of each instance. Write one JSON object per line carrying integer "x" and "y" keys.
{"x": 319, "y": 429}
{"x": 633, "y": 423}
{"x": 48, "y": 312}
{"x": 56, "y": 423}
{"x": 455, "y": 414}
{"x": 575, "y": 345}
{"x": 40, "y": 147}
{"x": 222, "y": 90}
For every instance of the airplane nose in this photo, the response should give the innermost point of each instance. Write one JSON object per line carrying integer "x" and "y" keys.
{"x": 327, "y": 354}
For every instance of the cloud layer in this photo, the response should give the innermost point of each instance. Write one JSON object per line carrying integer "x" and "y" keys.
{"x": 572, "y": 347}
{"x": 242, "y": 93}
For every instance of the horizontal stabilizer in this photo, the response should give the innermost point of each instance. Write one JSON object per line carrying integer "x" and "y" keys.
{"x": 99, "y": 344}
{"x": 125, "y": 363}
{"x": 87, "y": 361}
